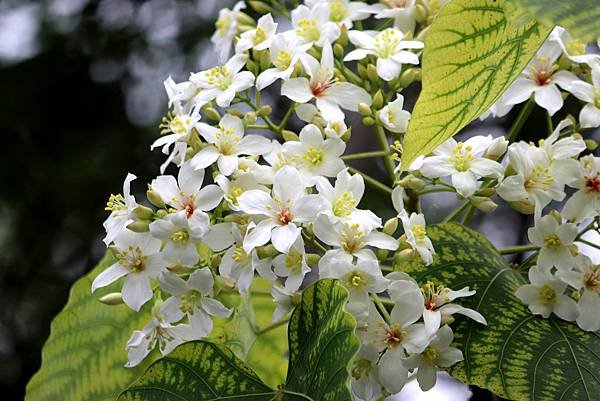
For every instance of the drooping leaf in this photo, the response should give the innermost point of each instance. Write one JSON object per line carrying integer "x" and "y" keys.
{"x": 580, "y": 17}
{"x": 472, "y": 54}
{"x": 197, "y": 371}
{"x": 84, "y": 356}
{"x": 518, "y": 356}
{"x": 322, "y": 343}
{"x": 239, "y": 332}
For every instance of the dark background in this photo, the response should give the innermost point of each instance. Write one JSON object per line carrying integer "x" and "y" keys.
{"x": 80, "y": 99}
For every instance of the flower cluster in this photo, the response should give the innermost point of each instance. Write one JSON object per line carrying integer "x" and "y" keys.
{"x": 252, "y": 197}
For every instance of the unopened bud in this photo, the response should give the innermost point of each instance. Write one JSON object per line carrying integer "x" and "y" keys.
{"x": 362, "y": 71}
{"x": 312, "y": 259}
{"x": 342, "y": 40}
{"x": 212, "y": 114}
{"x": 372, "y": 74}
{"x": 177, "y": 268}
{"x": 364, "y": 109}
{"x": 250, "y": 118}
{"x": 405, "y": 255}
{"x": 412, "y": 182}
{"x": 409, "y": 76}
{"x": 264, "y": 59}
{"x": 215, "y": 261}
{"x": 251, "y": 66}
{"x": 266, "y": 251}
{"x": 487, "y": 192}
{"x": 347, "y": 135}
{"x": 142, "y": 212}
{"x": 421, "y": 14}
{"x": 314, "y": 52}
{"x": 483, "y": 203}
{"x": 378, "y": 100}
{"x": 155, "y": 198}
{"x": 496, "y": 149}
{"x": 382, "y": 254}
{"x": 575, "y": 295}
{"x": 591, "y": 144}
{"x": 368, "y": 121}
{"x": 260, "y": 6}
{"x": 556, "y": 214}
{"x": 235, "y": 112}
{"x": 447, "y": 319}
{"x": 225, "y": 283}
{"x": 574, "y": 250}
{"x": 338, "y": 51}
{"x": 264, "y": 111}
{"x": 161, "y": 213}
{"x": 289, "y": 135}
{"x": 390, "y": 226}
{"x": 523, "y": 206}
{"x": 232, "y": 218}
{"x": 244, "y": 18}
{"x": 114, "y": 298}
{"x": 139, "y": 226}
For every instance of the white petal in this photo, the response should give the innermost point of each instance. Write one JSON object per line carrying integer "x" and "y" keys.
{"x": 136, "y": 291}
{"x": 388, "y": 69}
{"x": 109, "y": 276}
{"x": 297, "y": 89}
{"x": 284, "y": 236}
{"x": 205, "y": 157}
{"x": 549, "y": 98}
{"x": 259, "y": 236}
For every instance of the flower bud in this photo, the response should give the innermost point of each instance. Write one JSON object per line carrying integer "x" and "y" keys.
{"x": 409, "y": 76}
{"x": 232, "y": 218}
{"x": 421, "y": 14}
{"x": 372, "y": 74}
{"x": 338, "y": 51}
{"x": 405, "y": 255}
{"x": 260, "y": 6}
{"x": 575, "y": 295}
{"x": 215, "y": 261}
{"x": 264, "y": 111}
{"x": 390, "y": 226}
{"x": 368, "y": 121}
{"x": 212, "y": 114}
{"x": 244, "y": 18}
{"x": 312, "y": 259}
{"x": 496, "y": 149}
{"x": 177, "y": 268}
{"x": 378, "y": 100}
{"x": 264, "y": 59}
{"x": 347, "y": 135}
{"x": 289, "y": 135}
{"x": 342, "y": 40}
{"x": 139, "y": 226}
{"x": 113, "y": 298}
{"x": 224, "y": 283}
{"x": 154, "y": 198}
{"x": 161, "y": 213}
{"x": 364, "y": 109}
{"x": 266, "y": 251}
{"x": 591, "y": 144}
{"x": 382, "y": 254}
{"x": 142, "y": 212}
{"x": 523, "y": 206}
{"x": 314, "y": 52}
{"x": 556, "y": 214}
{"x": 447, "y": 319}
{"x": 251, "y": 66}
{"x": 235, "y": 112}
{"x": 487, "y": 192}
{"x": 412, "y": 182}
{"x": 362, "y": 71}
{"x": 250, "y": 118}
{"x": 483, "y": 203}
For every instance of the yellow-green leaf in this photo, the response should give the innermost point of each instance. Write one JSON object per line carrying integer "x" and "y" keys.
{"x": 518, "y": 356}
{"x": 580, "y": 17}
{"x": 84, "y": 356}
{"x": 472, "y": 54}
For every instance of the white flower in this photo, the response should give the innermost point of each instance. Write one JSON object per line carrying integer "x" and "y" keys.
{"x": 572, "y": 48}
{"x": 227, "y": 142}
{"x": 343, "y": 199}
{"x": 393, "y": 117}
{"x": 537, "y": 180}
{"x": 292, "y": 265}
{"x": 343, "y": 12}
{"x": 313, "y": 155}
{"x": 360, "y": 279}
{"x": 259, "y": 38}
{"x": 464, "y": 162}
{"x": 545, "y": 295}
{"x": 185, "y": 193}
{"x": 222, "y": 82}
{"x": 312, "y": 25}
{"x": 402, "y": 11}
{"x": 498, "y": 109}
{"x": 139, "y": 260}
{"x": 192, "y": 298}
{"x": 330, "y": 95}
{"x": 289, "y": 204}
{"x": 388, "y": 47}
{"x": 562, "y": 149}
{"x": 120, "y": 207}
{"x": 365, "y": 376}
{"x": 160, "y": 330}
{"x": 438, "y": 355}
{"x": 236, "y": 263}
{"x": 181, "y": 235}
{"x": 335, "y": 129}
{"x": 541, "y": 80}
{"x": 554, "y": 240}
{"x": 350, "y": 240}
{"x": 497, "y": 148}
{"x": 402, "y": 335}
{"x": 416, "y": 235}
{"x": 284, "y": 301}
{"x": 589, "y": 117}
{"x": 586, "y": 277}
{"x": 586, "y": 201}
{"x": 227, "y": 27}
{"x": 237, "y": 186}
{"x": 285, "y": 54}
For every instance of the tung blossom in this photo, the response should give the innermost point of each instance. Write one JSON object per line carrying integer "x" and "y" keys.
{"x": 312, "y": 25}
{"x": 227, "y": 26}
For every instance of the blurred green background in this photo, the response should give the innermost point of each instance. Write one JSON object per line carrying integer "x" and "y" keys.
{"x": 81, "y": 97}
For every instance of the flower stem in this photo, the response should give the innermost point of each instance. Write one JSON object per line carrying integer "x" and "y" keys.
{"x": 372, "y": 181}
{"x": 365, "y": 155}
{"x": 513, "y": 133}
{"x": 588, "y": 243}
{"x": 549, "y": 123}
{"x": 287, "y": 116}
{"x": 518, "y": 249}
{"x": 313, "y": 242}
{"x": 272, "y": 326}
{"x": 381, "y": 307}
{"x": 385, "y": 146}
{"x": 454, "y": 215}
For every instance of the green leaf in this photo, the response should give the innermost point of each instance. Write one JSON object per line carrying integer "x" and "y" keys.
{"x": 580, "y": 17}
{"x": 84, "y": 356}
{"x": 197, "y": 371}
{"x": 239, "y": 332}
{"x": 322, "y": 343}
{"x": 472, "y": 54}
{"x": 518, "y": 356}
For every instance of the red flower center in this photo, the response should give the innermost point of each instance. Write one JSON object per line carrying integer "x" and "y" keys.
{"x": 592, "y": 184}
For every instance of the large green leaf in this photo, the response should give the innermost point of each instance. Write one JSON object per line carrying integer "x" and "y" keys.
{"x": 472, "y": 54}
{"x": 84, "y": 356}
{"x": 518, "y": 355}
{"x": 322, "y": 343}
{"x": 580, "y": 17}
